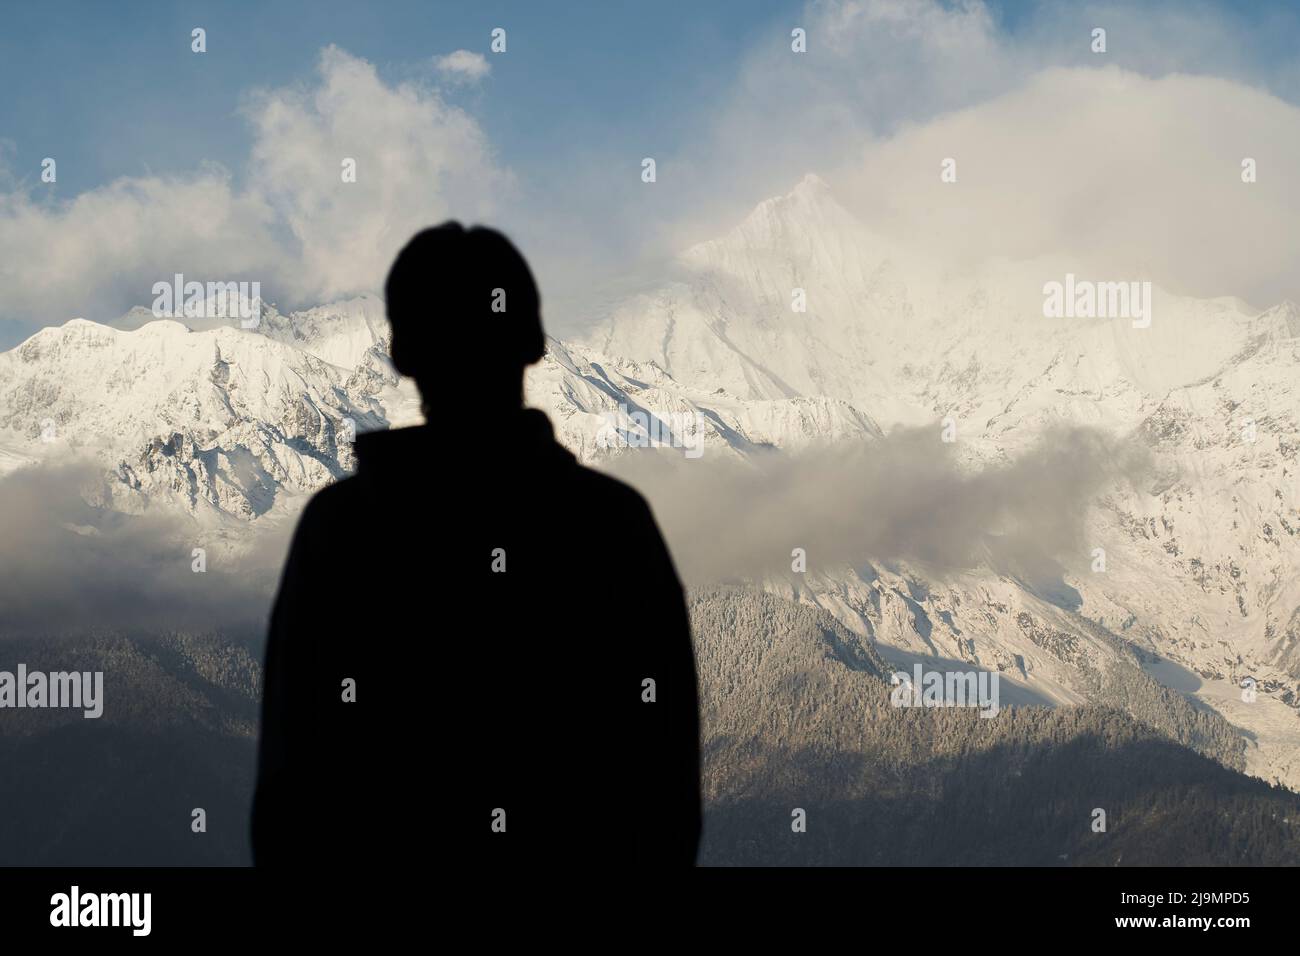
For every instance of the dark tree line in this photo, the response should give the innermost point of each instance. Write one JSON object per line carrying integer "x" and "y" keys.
{"x": 796, "y": 714}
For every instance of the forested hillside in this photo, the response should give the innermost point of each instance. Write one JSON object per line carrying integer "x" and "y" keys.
{"x": 796, "y": 715}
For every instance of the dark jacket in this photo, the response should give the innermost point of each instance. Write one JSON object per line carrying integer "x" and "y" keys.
{"x": 477, "y": 690}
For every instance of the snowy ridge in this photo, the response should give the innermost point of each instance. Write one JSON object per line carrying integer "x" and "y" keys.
{"x": 219, "y": 422}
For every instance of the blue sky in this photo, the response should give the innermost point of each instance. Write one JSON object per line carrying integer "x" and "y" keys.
{"x": 574, "y": 73}
{"x": 152, "y": 139}
{"x": 99, "y": 79}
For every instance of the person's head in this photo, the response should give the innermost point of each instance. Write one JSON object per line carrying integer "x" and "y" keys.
{"x": 464, "y": 310}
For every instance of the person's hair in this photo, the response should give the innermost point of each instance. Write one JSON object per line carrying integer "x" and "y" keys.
{"x": 463, "y": 295}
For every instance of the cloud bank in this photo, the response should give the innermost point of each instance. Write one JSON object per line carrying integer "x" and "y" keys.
{"x": 904, "y": 498}
{"x": 74, "y": 568}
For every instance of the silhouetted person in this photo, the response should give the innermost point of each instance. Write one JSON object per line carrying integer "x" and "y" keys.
{"x": 499, "y": 608}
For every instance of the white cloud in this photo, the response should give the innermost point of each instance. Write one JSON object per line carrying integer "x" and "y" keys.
{"x": 293, "y": 224}
{"x": 463, "y": 66}
{"x": 419, "y": 161}
{"x": 1127, "y": 162}
{"x": 114, "y": 242}
{"x": 1128, "y": 176}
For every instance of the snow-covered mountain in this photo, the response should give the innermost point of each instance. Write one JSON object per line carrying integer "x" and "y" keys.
{"x": 223, "y": 422}
{"x": 1200, "y": 564}
{"x": 1201, "y": 577}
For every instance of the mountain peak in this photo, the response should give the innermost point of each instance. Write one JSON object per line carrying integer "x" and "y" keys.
{"x": 1286, "y": 316}
{"x": 811, "y": 195}
{"x": 811, "y": 185}
{"x": 806, "y": 217}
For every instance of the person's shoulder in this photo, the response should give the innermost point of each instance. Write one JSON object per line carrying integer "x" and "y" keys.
{"x": 609, "y": 491}
{"x": 621, "y": 510}
{"x": 336, "y": 493}
{"x": 335, "y": 498}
